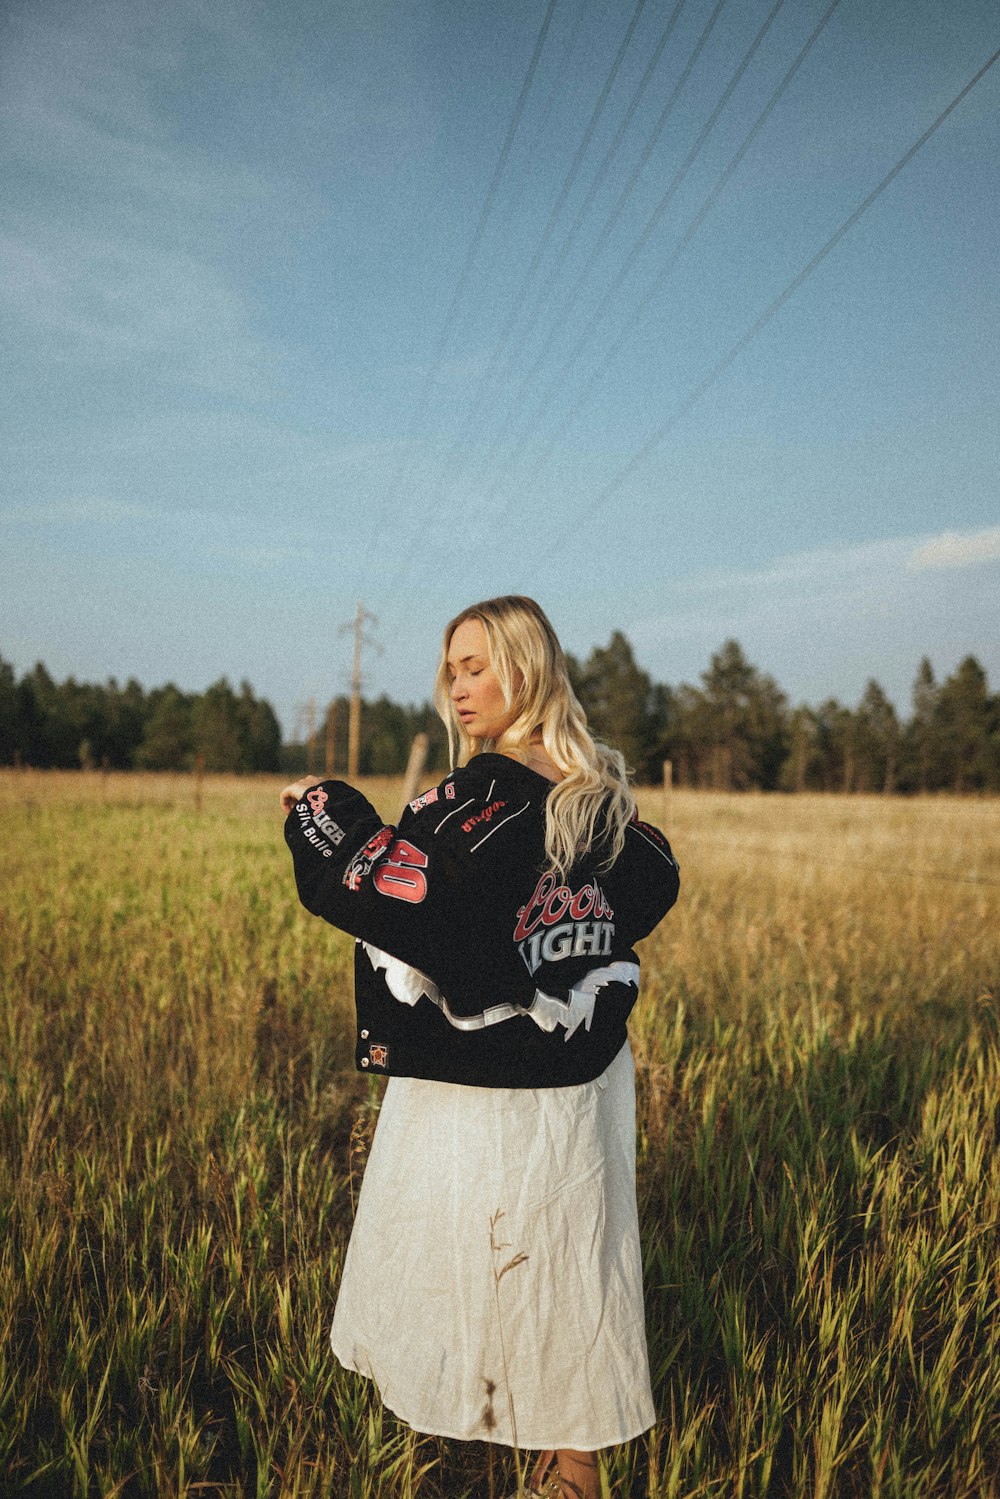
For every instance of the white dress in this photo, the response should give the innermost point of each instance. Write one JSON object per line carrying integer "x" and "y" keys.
{"x": 420, "y": 1310}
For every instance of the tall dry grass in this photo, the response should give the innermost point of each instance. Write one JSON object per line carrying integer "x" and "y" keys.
{"x": 180, "y": 1128}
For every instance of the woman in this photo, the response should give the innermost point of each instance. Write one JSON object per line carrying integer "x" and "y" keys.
{"x": 492, "y": 1286}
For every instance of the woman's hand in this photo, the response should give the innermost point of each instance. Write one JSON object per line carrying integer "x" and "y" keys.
{"x": 296, "y": 791}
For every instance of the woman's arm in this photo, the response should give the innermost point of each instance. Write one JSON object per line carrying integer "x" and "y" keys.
{"x": 394, "y": 890}
{"x": 645, "y": 882}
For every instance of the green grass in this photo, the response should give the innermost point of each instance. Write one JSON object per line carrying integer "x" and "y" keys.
{"x": 181, "y": 1133}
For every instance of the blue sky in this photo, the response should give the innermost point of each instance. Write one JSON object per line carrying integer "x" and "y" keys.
{"x": 251, "y": 372}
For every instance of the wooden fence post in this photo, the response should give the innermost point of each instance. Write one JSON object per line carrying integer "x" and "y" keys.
{"x": 199, "y": 776}
{"x": 414, "y": 768}
{"x": 331, "y": 737}
{"x": 311, "y": 740}
{"x": 668, "y": 786}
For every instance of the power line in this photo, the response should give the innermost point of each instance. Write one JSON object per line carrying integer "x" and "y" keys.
{"x": 531, "y": 150}
{"x": 657, "y": 437}
{"x": 404, "y": 564}
{"x": 559, "y": 261}
{"x": 571, "y": 46}
{"x": 440, "y": 491}
{"x": 558, "y": 322}
{"x": 459, "y": 291}
{"x": 639, "y": 168}
{"x": 646, "y": 234}
{"x": 517, "y": 303}
{"x": 638, "y": 312}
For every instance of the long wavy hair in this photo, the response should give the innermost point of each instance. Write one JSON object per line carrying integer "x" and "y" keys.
{"x": 593, "y": 802}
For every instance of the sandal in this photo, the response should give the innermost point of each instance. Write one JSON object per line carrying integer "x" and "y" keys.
{"x": 552, "y": 1488}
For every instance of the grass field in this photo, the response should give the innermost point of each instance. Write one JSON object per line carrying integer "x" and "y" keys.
{"x": 182, "y": 1131}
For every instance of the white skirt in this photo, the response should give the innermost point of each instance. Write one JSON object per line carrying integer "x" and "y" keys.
{"x": 462, "y": 1182}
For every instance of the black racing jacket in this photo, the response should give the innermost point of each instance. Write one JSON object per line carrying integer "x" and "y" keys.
{"x": 474, "y": 964}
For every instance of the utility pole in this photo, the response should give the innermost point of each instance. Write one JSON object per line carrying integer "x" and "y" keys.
{"x": 354, "y": 720}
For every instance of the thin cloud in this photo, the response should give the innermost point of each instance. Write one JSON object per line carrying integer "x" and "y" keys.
{"x": 806, "y": 614}
{"x": 957, "y": 549}
{"x": 827, "y": 569}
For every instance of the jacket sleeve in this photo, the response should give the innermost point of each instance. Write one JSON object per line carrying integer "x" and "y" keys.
{"x": 653, "y": 878}
{"x": 398, "y": 888}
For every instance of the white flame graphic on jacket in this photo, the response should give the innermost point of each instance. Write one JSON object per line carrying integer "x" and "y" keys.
{"x": 407, "y": 985}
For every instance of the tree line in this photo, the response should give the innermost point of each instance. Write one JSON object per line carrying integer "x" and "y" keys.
{"x": 736, "y": 730}
{"x": 75, "y": 725}
{"x": 387, "y": 732}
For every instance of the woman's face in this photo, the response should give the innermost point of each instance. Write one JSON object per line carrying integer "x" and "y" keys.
{"x": 475, "y": 691}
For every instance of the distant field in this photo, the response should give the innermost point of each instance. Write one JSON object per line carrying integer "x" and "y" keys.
{"x": 181, "y": 1133}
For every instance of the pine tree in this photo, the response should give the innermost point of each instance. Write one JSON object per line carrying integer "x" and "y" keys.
{"x": 168, "y": 741}
{"x": 965, "y": 720}
{"x": 617, "y": 697}
{"x": 876, "y": 740}
{"x": 922, "y": 726}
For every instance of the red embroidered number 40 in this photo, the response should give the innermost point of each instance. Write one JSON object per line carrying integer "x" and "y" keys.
{"x": 401, "y": 872}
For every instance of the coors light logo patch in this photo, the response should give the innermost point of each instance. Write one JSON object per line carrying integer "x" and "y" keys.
{"x": 558, "y": 922}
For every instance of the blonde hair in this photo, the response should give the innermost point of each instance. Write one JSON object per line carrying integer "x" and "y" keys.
{"x": 593, "y": 800}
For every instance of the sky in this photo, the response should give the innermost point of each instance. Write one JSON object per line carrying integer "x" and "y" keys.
{"x": 307, "y": 303}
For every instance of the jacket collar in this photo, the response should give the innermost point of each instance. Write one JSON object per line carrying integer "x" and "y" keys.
{"x": 510, "y": 770}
